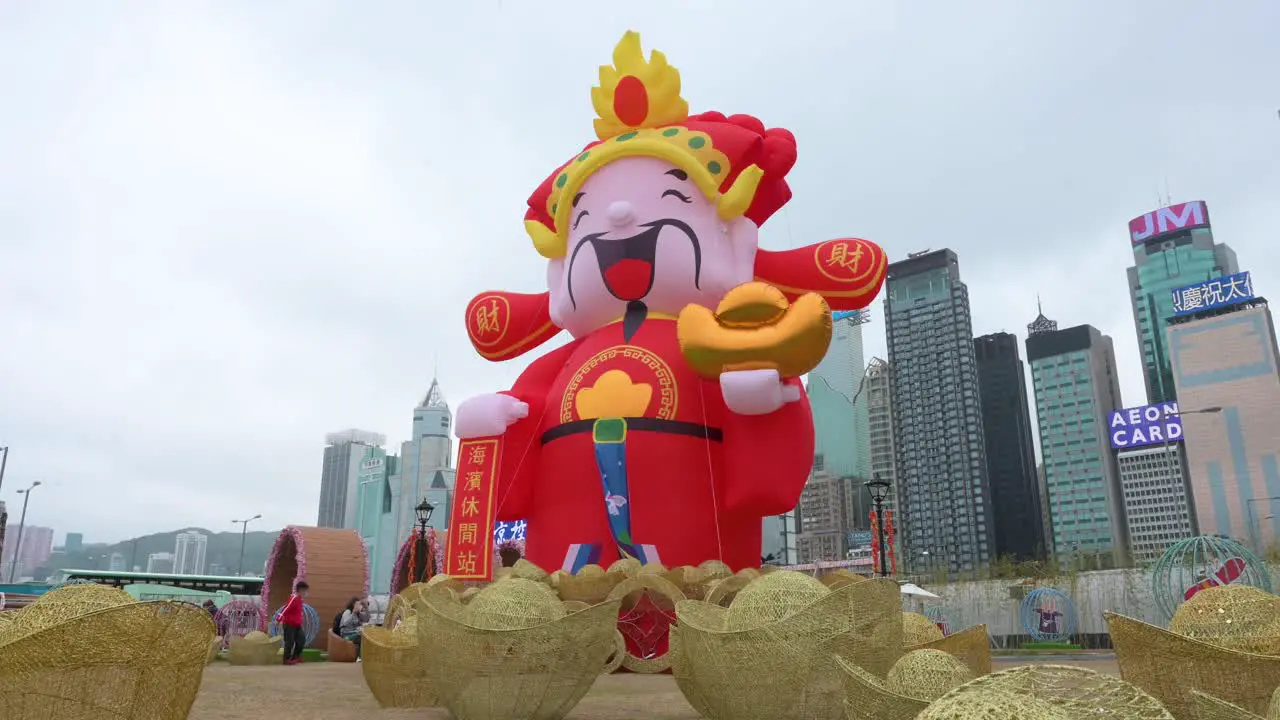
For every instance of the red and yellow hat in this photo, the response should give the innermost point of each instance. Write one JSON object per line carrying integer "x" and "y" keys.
{"x": 736, "y": 161}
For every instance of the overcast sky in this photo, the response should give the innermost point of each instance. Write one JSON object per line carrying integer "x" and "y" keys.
{"x": 227, "y": 228}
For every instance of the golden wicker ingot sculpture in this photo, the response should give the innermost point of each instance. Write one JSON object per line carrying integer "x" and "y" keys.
{"x": 590, "y": 585}
{"x": 699, "y": 580}
{"x": 840, "y": 577}
{"x": 918, "y": 678}
{"x": 1236, "y": 617}
{"x": 61, "y": 604}
{"x": 918, "y": 630}
{"x": 724, "y": 590}
{"x": 867, "y": 698}
{"x": 84, "y": 655}
{"x": 1046, "y": 692}
{"x": 514, "y": 651}
{"x": 521, "y": 569}
{"x": 971, "y": 645}
{"x": 1209, "y": 707}
{"x": 393, "y": 666}
{"x": 768, "y": 655}
{"x": 1172, "y": 666}
{"x": 647, "y": 602}
{"x": 255, "y": 648}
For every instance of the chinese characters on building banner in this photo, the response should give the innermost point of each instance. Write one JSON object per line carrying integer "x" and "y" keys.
{"x": 470, "y": 545}
{"x": 1210, "y": 294}
{"x": 888, "y": 542}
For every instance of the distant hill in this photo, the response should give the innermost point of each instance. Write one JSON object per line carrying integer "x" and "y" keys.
{"x": 223, "y": 550}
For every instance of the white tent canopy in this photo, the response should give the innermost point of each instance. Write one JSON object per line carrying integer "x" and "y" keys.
{"x": 916, "y": 591}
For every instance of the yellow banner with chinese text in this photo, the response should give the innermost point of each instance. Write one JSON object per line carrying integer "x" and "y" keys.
{"x": 471, "y": 520}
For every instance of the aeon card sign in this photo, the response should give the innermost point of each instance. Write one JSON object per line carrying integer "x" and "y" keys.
{"x": 1146, "y": 425}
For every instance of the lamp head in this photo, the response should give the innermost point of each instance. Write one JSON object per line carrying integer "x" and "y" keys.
{"x": 878, "y": 488}
{"x": 423, "y": 511}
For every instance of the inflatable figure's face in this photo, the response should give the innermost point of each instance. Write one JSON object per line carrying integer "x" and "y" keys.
{"x": 642, "y": 233}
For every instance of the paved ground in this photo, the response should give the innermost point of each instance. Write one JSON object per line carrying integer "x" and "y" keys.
{"x": 335, "y": 691}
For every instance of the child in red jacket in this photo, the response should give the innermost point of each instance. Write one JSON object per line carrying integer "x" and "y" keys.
{"x": 291, "y": 620}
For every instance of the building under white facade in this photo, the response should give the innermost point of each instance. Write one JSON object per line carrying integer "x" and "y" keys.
{"x": 389, "y": 488}
{"x": 1155, "y": 500}
{"x": 189, "y": 553}
{"x": 339, "y": 476}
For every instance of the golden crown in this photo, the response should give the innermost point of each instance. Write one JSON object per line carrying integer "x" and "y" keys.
{"x": 639, "y": 111}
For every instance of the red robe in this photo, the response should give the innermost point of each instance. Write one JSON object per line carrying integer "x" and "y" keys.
{"x": 692, "y": 498}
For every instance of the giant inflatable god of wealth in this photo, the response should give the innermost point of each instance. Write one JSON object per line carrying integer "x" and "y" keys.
{"x": 675, "y": 419}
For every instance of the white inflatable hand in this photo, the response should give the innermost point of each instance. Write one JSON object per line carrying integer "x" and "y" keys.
{"x": 487, "y": 415}
{"x": 756, "y": 392}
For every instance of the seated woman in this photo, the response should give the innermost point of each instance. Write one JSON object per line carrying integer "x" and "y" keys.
{"x": 352, "y": 618}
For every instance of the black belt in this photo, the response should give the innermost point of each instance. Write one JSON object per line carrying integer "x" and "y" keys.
{"x": 643, "y": 424}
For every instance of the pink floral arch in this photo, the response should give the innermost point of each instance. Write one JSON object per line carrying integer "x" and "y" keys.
{"x": 334, "y": 562}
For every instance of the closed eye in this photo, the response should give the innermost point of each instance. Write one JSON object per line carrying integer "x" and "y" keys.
{"x": 578, "y": 219}
{"x": 677, "y": 194}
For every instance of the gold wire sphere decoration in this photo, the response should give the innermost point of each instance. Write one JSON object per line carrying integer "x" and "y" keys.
{"x": 1236, "y": 617}
{"x": 927, "y": 674}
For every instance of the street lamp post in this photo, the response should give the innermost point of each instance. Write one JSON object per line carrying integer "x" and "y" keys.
{"x": 4, "y": 460}
{"x": 17, "y": 548}
{"x": 244, "y": 531}
{"x": 879, "y": 490}
{"x": 419, "y": 570}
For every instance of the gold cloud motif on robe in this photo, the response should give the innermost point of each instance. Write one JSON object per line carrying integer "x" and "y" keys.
{"x": 614, "y": 395}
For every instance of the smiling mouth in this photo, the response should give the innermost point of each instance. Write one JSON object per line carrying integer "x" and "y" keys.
{"x": 626, "y": 264}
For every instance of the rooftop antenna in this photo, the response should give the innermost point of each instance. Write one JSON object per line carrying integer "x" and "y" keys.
{"x": 1168, "y": 196}
{"x": 435, "y": 366}
{"x": 1039, "y": 307}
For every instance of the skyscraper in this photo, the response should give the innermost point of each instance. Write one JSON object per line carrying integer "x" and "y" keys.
{"x": 1172, "y": 247}
{"x": 189, "y": 552}
{"x": 944, "y": 502}
{"x": 883, "y": 453}
{"x": 377, "y": 513}
{"x": 339, "y": 475}
{"x": 426, "y": 465}
{"x": 1073, "y": 373}
{"x": 74, "y": 542}
{"x": 839, "y": 409}
{"x": 1228, "y": 384}
{"x": 1011, "y": 461}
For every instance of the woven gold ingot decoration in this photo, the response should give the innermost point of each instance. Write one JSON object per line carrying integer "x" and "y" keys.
{"x": 590, "y": 585}
{"x": 1236, "y": 617}
{"x": 918, "y": 630}
{"x": 393, "y": 667}
{"x": 1209, "y": 707}
{"x": 918, "y": 678}
{"x": 254, "y": 648}
{"x": 1171, "y": 666}
{"x": 1047, "y": 692}
{"x": 514, "y": 651}
{"x": 87, "y": 652}
{"x": 840, "y": 577}
{"x": 769, "y": 654}
{"x": 971, "y": 645}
